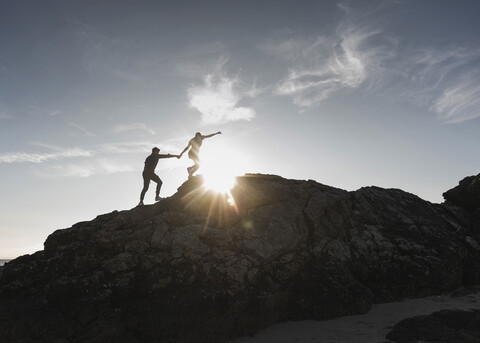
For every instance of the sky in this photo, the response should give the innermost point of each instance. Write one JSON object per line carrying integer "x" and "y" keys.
{"x": 347, "y": 93}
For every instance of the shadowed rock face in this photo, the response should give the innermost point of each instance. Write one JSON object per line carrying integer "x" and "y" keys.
{"x": 194, "y": 268}
{"x": 446, "y": 326}
{"x": 467, "y": 196}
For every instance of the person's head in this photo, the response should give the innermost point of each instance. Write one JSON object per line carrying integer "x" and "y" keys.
{"x": 155, "y": 150}
{"x": 198, "y": 134}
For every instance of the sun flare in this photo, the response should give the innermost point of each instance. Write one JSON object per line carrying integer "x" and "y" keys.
{"x": 218, "y": 181}
{"x": 219, "y": 167}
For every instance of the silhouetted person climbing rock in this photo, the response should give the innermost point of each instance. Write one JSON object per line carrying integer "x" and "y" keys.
{"x": 195, "y": 143}
{"x": 149, "y": 172}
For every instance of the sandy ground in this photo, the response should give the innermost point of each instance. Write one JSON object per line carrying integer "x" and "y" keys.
{"x": 371, "y": 327}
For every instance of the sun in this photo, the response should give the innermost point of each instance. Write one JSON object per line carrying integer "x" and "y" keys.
{"x": 219, "y": 167}
{"x": 218, "y": 181}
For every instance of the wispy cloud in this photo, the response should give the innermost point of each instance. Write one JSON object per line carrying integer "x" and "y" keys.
{"x": 36, "y": 109}
{"x": 83, "y": 130}
{"x": 56, "y": 153}
{"x": 135, "y": 147}
{"x": 361, "y": 54}
{"x": 219, "y": 98}
{"x": 20, "y": 157}
{"x": 460, "y": 101}
{"x": 133, "y": 127}
{"x": 106, "y": 158}
{"x": 326, "y": 65}
{"x": 444, "y": 80}
{"x": 84, "y": 169}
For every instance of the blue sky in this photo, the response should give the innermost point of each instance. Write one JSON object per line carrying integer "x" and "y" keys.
{"x": 349, "y": 94}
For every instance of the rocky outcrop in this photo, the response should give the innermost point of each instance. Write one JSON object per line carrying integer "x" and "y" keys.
{"x": 204, "y": 267}
{"x": 467, "y": 196}
{"x": 446, "y": 326}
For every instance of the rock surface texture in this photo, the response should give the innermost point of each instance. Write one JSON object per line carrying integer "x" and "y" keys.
{"x": 446, "y": 326}
{"x": 199, "y": 267}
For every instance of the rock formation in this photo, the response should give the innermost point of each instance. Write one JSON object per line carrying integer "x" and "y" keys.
{"x": 204, "y": 267}
{"x": 467, "y": 196}
{"x": 446, "y": 326}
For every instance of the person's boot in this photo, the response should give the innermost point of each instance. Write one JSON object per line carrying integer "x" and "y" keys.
{"x": 140, "y": 203}
{"x": 157, "y": 198}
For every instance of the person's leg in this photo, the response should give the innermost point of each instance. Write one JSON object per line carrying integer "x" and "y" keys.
{"x": 195, "y": 167}
{"x": 146, "y": 183}
{"x": 159, "y": 182}
{"x": 196, "y": 160}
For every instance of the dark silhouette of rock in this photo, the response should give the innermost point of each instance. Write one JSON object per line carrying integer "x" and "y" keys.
{"x": 467, "y": 196}
{"x": 445, "y": 326}
{"x": 194, "y": 268}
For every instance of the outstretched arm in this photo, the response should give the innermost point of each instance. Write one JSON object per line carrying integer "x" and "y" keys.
{"x": 212, "y": 134}
{"x": 188, "y": 146}
{"x": 167, "y": 156}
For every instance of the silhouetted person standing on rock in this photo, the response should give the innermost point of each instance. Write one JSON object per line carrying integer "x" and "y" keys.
{"x": 149, "y": 173}
{"x": 195, "y": 143}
